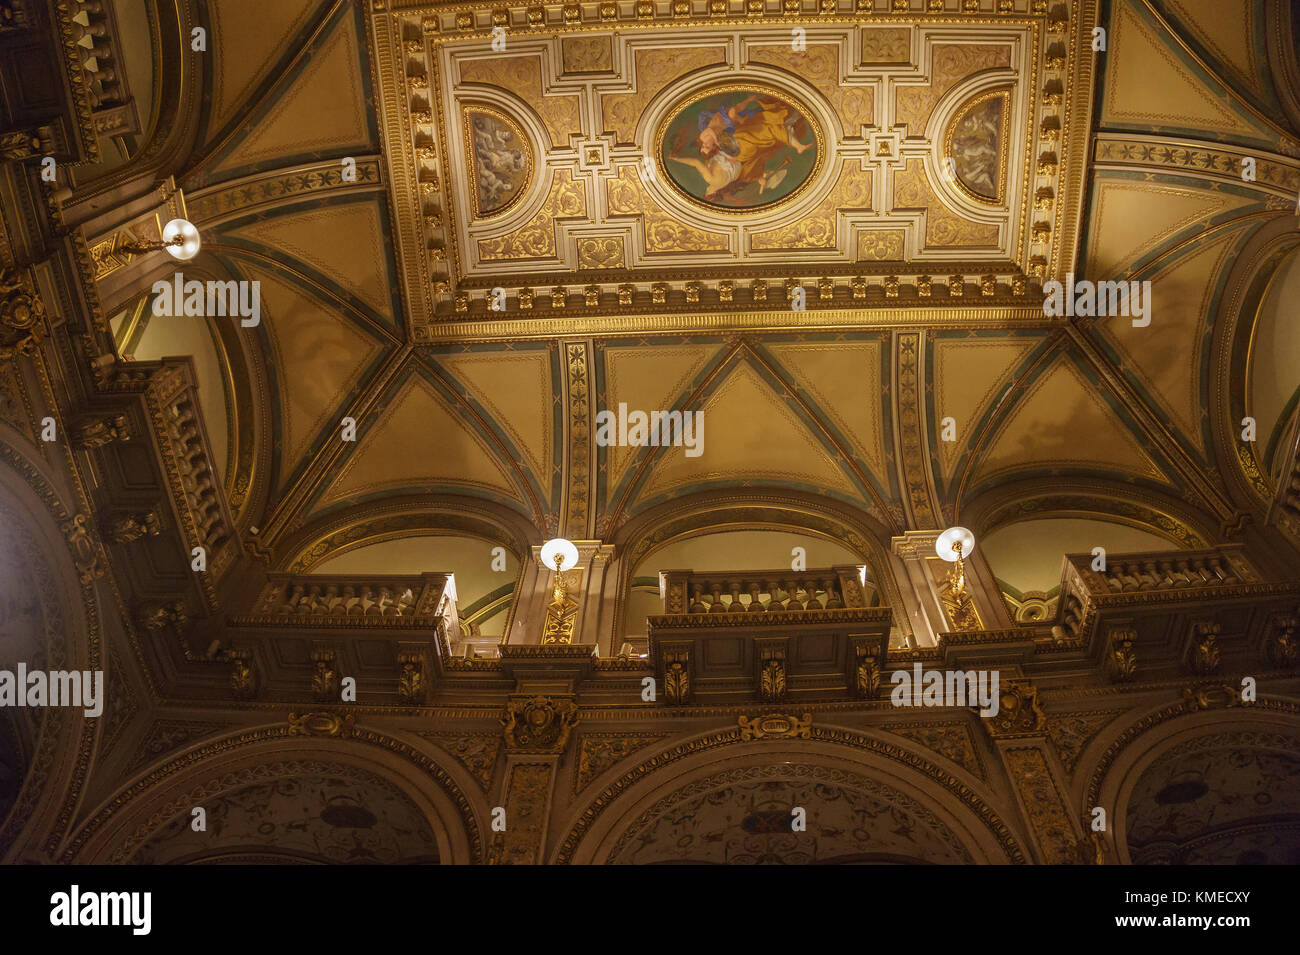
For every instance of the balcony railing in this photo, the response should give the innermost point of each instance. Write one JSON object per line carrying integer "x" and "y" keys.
{"x": 776, "y": 635}
{"x": 319, "y": 600}
{"x": 171, "y": 393}
{"x": 762, "y": 592}
{"x": 1134, "y": 580}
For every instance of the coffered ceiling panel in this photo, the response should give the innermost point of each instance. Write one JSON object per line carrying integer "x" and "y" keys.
{"x": 635, "y": 163}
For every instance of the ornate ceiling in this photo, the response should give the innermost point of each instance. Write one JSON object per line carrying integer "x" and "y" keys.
{"x": 570, "y": 170}
{"x": 825, "y": 226}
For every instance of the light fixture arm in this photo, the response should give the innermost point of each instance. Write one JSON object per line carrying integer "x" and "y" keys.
{"x": 140, "y": 248}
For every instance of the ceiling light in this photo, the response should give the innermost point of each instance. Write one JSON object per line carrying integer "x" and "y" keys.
{"x": 954, "y": 544}
{"x": 560, "y": 554}
{"x": 181, "y": 239}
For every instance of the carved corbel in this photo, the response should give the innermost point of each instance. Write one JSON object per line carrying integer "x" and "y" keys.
{"x": 1203, "y": 653}
{"x": 243, "y": 678}
{"x": 85, "y": 553}
{"x": 677, "y": 676}
{"x": 96, "y": 432}
{"x": 866, "y": 673}
{"x": 131, "y": 527}
{"x": 21, "y": 313}
{"x": 412, "y": 684}
{"x": 1121, "y": 657}
{"x": 539, "y": 723}
{"x": 1018, "y": 712}
{"x": 325, "y": 676}
{"x": 771, "y": 674}
{"x": 1280, "y": 645}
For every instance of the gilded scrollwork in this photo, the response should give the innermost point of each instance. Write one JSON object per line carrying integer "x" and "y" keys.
{"x": 539, "y": 723}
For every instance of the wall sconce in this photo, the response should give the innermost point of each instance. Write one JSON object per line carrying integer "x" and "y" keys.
{"x": 560, "y": 613}
{"x": 180, "y": 240}
{"x": 957, "y": 603}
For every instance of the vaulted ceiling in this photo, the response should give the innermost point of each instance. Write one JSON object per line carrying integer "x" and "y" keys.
{"x": 381, "y": 169}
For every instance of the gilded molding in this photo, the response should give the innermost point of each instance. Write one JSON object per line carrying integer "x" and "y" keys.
{"x": 775, "y": 726}
{"x": 578, "y": 410}
{"x": 1044, "y": 804}
{"x": 539, "y": 724}
{"x": 914, "y": 463}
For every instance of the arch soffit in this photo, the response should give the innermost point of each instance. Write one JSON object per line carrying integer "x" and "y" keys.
{"x": 593, "y": 827}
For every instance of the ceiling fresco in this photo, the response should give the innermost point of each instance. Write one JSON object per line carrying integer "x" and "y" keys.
{"x": 724, "y": 151}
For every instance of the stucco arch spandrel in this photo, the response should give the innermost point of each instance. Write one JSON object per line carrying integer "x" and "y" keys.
{"x": 123, "y": 823}
{"x": 955, "y": 808}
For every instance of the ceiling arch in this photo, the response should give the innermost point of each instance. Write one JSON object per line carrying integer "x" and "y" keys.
{"x": 1274, "y": 359}
{"x": 635, "y": 802}
{"x": 338, "y": 533}
{"x": 1153, "y": 511}
{"x": 422, "y": 792}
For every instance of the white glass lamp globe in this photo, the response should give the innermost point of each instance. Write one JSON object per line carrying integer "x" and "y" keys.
{"x": 946, "y": 545}
{"x": 183, "y": 229}
{"x": 564, "y": 549}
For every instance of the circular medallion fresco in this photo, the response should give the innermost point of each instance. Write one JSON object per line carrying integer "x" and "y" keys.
{"x": 739, "y": 148}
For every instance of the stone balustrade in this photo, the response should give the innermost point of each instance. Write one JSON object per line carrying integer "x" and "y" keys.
{"x": 755, "y": 592}
{"x": 323, "y": 600}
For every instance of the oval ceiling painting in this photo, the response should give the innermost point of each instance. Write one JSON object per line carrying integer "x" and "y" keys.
{"x": 739, "y": 148}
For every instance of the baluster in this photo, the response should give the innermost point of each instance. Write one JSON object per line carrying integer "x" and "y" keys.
{"x": 734, "y": 586}
{"x": 390, "y": 604}
{"x": 697, "y": 591}
{"x": 834, "y": 599}
{"x": 755, "y": 599}
{"x": 291, "y": 602}
{"x": 792, "y": 592}
{"x": 715, "y": 588}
